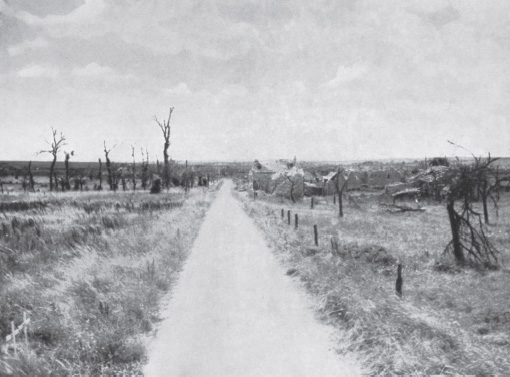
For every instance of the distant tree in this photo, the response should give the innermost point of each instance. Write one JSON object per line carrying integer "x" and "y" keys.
{"x": 145, "y": 170}
{"x": 122, "y": 177}
{"x": 156, "y": 186}
{"x": 165, "y": 128}
{"x": 340, "y": 185}
{"x": 489, "y": 185}
{"x": 56, "y": 144}
{"x": 31, "y": 182}
{"x": 79, "y": 182}
{"x": 293, "y": 181}
{"x": 67, "y": 171}
{"x": 133, "y": 168}
{"x": 111, "y": 178}
{"x": 100, "y": 176}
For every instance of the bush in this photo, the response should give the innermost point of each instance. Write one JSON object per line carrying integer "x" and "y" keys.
{"x": 156, "y": 186}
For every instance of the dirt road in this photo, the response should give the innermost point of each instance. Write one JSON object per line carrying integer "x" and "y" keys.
{"x": 234, "y": 312}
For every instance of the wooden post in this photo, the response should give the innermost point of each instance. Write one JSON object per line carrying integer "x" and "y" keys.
{"x": 25, "y": 327}
{"x": 283, "y": 213}
{"x": 316, "y": 235}
{"x": 399, "y": 283}
{"x": 13, "y": 329}
{"x": 334, "y": 199}
{"x": 296, "y": 220}
{"x": 288, "y": 216}
{"x": 311, "y": 203}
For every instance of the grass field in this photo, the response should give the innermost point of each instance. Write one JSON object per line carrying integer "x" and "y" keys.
{"x": 449, "y": 320}
{"x": 90, "y": 270}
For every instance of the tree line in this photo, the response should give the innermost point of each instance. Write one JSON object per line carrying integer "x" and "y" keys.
{"x": 142, "y": 175}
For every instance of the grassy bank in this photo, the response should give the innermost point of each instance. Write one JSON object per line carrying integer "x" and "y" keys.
{"x": 90, "y": 270}
{"x": 449, "y": 320}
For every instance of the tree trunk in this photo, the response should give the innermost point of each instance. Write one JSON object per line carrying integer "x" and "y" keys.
{"x": 52, "y": 169}
{"x": 166, "y": 166}
{"x": 100, "y": 175}
{"x": 340, "y": 205}
{"x": 484, "y": 194}
{"x": 31, "y": 177}
{"x": 455, "y": 228}
{"x": 68, "y": 174}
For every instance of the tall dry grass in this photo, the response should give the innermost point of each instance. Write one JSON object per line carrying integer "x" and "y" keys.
{"x": 91, "y": 270}
{"x": 450, "y": 320}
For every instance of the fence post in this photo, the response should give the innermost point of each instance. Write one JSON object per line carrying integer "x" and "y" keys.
{"x": 334, "y": 199}
{"x": 311, "y": 203}
{"x": 283, "y": 213}
{"x": 400, "y": 282}
{"x": 296, "y": 220}
{"x": 316, "y": 235}
{"x": 25, "y": 327}
{"x": 13, "y": 329}
{"x": 288, "y": 216}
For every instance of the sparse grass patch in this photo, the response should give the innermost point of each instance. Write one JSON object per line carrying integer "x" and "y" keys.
{"x": 450, "y": 320}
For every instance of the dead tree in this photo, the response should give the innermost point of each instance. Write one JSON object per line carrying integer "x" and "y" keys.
{"x": 165, "y": 128}
{"x": 123, "y": 182}
{"x": 145, "y": 170}
{"x": 31, "y": 182}
{"x": 292, "y": 186}
{"x": 79, "y": 182}
{"x": 340, "y": 186}
{"x": 468, "y": 234}
{"x": 100, "y": 176}
{"x": 111, "y": 179}
{"x": 68, "y": 173}
{"x": 57, "y": 143}
{"x": 489, "y": 187}
{"x": 133, "y": 168}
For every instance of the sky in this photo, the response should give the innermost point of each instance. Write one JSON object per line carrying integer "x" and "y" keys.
{"x": 256, "y": 79}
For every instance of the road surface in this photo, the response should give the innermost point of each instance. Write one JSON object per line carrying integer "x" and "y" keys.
{"x": 234, "y": 312}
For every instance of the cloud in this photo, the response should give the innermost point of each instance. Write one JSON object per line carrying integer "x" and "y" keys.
{"x": 27, "y": 45}
{"x": 34, "y": 71}
{"x": 93, "y": 69}
{"x": 181, "y": 89}
{"x": 84, "y": 14}
{"x": 346, "y": 74}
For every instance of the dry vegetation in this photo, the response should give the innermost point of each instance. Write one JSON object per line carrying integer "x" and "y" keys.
{"x": 90, "y": 270}
{"x": 450, "y": 319}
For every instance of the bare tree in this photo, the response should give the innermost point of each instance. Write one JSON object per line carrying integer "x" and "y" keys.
{"x": 111, "y": 179}
{"x": 79, "y": 182}
{"x": 468, "y": 235}
{"x": 133, "y": 168}
{"x": 165, "y": 128}
{"x": 100, "y": 176}
{"x": 120, "y": 175}
{"x": 489, "y": 186}
{"x": 31, "y": 182}
{"x": 68, "y": 173}
{"x": 293, "y": 183}
{"x": 145, "y": 170}
{"x": 340, "y": 185}
{"x": 57, "y": 143}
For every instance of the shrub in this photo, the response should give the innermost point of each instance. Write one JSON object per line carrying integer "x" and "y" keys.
{"x": 156, "y": 186}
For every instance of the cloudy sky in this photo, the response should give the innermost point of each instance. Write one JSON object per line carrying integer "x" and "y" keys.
{"x": 320, "y": 80}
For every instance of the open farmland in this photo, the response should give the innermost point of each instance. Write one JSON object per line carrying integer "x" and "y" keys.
{"x": 90, "y": 269}
{"x": 450, "y": 320}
